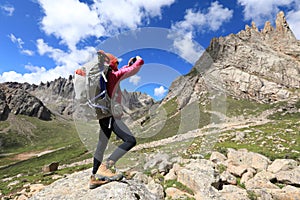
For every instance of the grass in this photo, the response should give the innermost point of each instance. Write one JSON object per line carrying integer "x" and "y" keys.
{"x": 178, "y": 185}
{"x": 277, "y": 139}
{"x": 39, "y": 177}
{"x": 41, "y": 136}
{"x": 244, "y": 107}
{"x": 38, "y": 134}
{"x": 192, "y": 117}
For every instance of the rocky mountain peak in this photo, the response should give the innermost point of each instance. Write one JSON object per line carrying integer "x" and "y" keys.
{"x": 282, "y": 26}
{"x": 262, "y": 65}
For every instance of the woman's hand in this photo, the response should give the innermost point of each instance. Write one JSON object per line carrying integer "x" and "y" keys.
{"x": 133, "y": 60}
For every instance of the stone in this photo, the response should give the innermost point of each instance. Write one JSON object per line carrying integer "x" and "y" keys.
{"x": 231, "y": 192}
{"x": 248, "y": 65}
{"x": 228, "y": 178}
{"x": 248, "y": 159}
{"x": 286, "y": 193}
{"x": 156, "y": 160}
{"x": 75, "y": 186}
{"x": 217, "y": 157}
{"x": 291, "y": 177}
{"x": 261, "y": 180}
{"x": 282, "y": 165}
{"x": 142, "y": 178}
{"x": 236, "y": 170}
{"x": 156, "y": 188}
{"x": 175, "y": 193}
{"x": 171, "y": 175}
{"x": 51, "y": 167}
{"x": 22, "y": 197}
{"x": 200, "y": 176}
{"x": 248, "y": 175}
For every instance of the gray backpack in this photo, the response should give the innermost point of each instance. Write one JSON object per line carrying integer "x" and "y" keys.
{"x": 91, "y": 98}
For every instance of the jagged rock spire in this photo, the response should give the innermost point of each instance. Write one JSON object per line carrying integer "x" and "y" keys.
{"x": 267, "y": 28}
{"x": 282, "y": 27}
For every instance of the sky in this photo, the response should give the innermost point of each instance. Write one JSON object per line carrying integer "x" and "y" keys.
{"x": 41, "y": 40}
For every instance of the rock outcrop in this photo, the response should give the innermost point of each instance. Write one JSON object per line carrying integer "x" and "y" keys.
{"x": 238, "y": 175}
{"x": 58, "y": 97}
{"x": 260, "y": 65}
{"x": 19, "y": 101}
{"x": 4, "y": 109}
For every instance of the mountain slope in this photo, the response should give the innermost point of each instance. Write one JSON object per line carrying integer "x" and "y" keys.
{"x": 260, "y": 65}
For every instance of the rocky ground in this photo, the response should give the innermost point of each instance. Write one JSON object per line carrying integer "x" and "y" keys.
{"x": 238, "y": 175}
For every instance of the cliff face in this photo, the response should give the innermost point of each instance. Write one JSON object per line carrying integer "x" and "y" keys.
{"x": 260, "y": 65}
{"x": 15, "y": 99}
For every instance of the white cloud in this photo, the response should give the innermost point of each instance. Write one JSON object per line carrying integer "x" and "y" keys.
{"x": 260, "y": 11}
{"x": 36, "y": 75}
{"x": 135, "y": 79}
{"x": 20, "y": 44}
{"x": 159, "y": 92}
{"x": 27, "y": 52}
{"x": 16, "y": 40}
{"x": 217, "y": 15}
{"x": 74, "y": 57}
{"x": 8, "y": 9}
{"x": 152, "y": 9}
{"x": 187, "y": 48}
{"x": 183, "y": 32}
{"x": 102, "y": 18}
{"x": 199, "y": 21}
{"x": 70, "y": 21}
{"x": 293, "y": 18}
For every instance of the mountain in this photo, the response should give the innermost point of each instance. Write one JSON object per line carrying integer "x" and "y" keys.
{"x": 54, "y": 98}
{"x": 263, "y": 66}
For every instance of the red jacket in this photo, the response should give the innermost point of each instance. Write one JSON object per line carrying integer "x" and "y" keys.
{"x": 114, "y": 78}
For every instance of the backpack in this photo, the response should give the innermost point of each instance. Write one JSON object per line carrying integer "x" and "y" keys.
{"x": 91, "y": 98}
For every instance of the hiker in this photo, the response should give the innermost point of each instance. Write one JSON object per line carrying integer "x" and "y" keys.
{"x": 104, "y": 171}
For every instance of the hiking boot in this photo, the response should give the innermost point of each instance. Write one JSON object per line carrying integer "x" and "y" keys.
{"x": 109, "y": 171}
{"x": 96, "y": 181}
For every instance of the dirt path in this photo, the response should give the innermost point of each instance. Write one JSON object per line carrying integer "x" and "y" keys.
{"x": 228, "y": 124}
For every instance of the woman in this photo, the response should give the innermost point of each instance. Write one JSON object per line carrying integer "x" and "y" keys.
{"x": 106, "y": 170}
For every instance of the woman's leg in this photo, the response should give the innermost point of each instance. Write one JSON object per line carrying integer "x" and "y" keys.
{"x": 129, "y": 141}
{"x": 104, "y": 135}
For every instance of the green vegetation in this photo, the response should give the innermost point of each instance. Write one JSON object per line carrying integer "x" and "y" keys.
{"x": 28, "y": 135}
{"x": 244, "y": 107}
{"x": 178, "y": 185}
{"x": 221, "y": 168}
{"x": 278, "y": 138}
{"x": 251, "y": 195}
{"x": 238, "y": 180}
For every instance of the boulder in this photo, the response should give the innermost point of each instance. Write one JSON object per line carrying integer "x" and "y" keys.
{"x": 231, "y": 192}
{"x": 291, "y": 177}
{"x": 75, "y": 186}
{"x": 282, "y": 165}
{"x": 200, "y": 176}
{"x": 51, "y": 167}
{"x": 261, "y": 180}
{"x": 243, "y": 158}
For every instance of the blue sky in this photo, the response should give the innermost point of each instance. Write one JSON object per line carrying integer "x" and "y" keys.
{"x": 41, "y": 40}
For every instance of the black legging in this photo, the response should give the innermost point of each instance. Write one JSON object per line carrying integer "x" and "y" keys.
{"x": 108, "y": 125}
